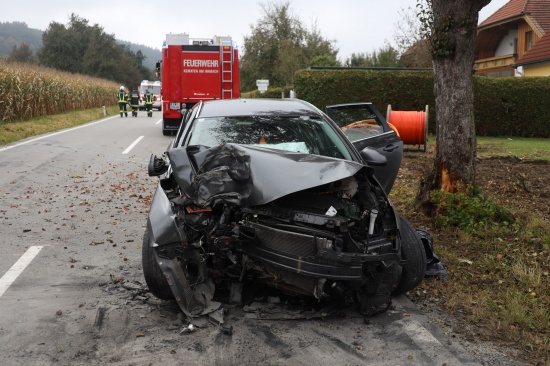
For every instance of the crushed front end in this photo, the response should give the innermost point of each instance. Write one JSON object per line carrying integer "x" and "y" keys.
{"x": 223, "y": 219}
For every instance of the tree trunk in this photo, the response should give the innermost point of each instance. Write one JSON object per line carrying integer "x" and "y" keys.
{"x": 452, "y": 40}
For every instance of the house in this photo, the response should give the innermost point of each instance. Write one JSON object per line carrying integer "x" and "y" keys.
{"x": 515, "y": 40}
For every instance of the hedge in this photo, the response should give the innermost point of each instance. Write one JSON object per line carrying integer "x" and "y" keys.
{"x": 502, "y": 106}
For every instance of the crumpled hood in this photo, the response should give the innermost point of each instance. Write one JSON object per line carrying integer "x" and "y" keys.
{"x": 249, "y": 176}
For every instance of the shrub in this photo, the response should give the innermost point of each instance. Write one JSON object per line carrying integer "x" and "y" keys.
{"x": 471, "y": 211}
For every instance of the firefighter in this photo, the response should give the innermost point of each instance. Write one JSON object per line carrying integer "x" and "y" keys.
{"x": 149, "y": 103}
{"x": 134, "y": 102}
{"x": 122, "y": 101}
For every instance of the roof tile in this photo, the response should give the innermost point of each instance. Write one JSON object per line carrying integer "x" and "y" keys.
{"x": 508, "y": 10}
{"x": 539, "y": 52}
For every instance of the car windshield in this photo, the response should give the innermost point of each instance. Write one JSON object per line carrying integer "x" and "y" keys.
{"x": 297, "y": 134}
{"x": 153, "y": 89}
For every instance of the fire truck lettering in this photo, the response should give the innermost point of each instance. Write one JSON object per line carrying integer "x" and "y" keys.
{"x": 200, "y": 63}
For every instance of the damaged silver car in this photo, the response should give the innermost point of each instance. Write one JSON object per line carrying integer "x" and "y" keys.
{"x": 259, "y": 193}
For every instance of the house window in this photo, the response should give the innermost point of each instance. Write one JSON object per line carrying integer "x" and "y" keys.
{"x": 528, "y": 40}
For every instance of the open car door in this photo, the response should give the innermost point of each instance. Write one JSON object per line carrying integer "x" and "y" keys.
{"x": 365, "y": 127}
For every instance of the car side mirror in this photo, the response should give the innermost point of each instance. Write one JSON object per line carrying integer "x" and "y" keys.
{"x": 373, "y": 157}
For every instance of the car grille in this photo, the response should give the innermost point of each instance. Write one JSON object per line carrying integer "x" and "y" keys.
{"x": 296, "y": 244}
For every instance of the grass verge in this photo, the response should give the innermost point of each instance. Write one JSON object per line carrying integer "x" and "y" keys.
{"x": 521, "y": 147}
{"x": 19, "y": 130}
{"x": 499, "y": 269}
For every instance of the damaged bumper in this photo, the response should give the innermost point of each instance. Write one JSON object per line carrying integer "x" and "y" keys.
{"x": 324, "y": 229}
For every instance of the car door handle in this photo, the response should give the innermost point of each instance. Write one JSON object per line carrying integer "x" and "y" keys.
{"x": 390, "y": 147}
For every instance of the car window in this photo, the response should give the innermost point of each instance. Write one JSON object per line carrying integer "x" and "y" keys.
{"x": 357, "y": 122}
{"x": 297, "y": 134}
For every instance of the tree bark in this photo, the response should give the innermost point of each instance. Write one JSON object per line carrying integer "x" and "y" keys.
{"x": 452, "y": 40}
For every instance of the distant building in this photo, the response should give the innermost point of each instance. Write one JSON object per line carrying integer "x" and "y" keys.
{"x": 515, "y": 40}
{"x": 418, "y": 56}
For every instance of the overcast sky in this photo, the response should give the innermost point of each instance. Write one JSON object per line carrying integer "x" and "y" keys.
{"x": 355, "y": 25}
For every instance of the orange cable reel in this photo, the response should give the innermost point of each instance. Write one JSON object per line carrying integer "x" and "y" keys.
{"x": 412, "y": 125}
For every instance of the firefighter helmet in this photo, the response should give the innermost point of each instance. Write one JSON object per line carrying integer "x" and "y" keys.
{"x": 122, "y": 87}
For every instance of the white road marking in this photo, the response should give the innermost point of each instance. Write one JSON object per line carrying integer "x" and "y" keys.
{"x": 15, "y": 270}
{"x": 159, "y": 121}
{"x": 56, "y": 133}
{"x": 426, "y": 341}
{"x": 132, "y": 146}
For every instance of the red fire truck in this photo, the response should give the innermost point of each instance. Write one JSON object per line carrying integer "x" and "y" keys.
{"x": 195, "y": 69}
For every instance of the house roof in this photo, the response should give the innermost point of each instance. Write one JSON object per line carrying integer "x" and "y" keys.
{"x": 540, "y": 52}
{"x": 537, "y": 10}
{"x": 536, "y": 13}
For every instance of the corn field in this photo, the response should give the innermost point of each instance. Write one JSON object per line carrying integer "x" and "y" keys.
{"x": 28, "y": 91}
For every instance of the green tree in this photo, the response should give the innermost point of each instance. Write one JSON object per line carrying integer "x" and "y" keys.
{"x": 324, "y": 60}
{"x": 279, "y": 45}
{"x": 386, "y": 56}
{"x": 107, "y": 59}
{"x": 452, "y": 28}
{"x": 23, "y": 53}
{"x": 319, "y": 51}
{"x": 57, "y": 51}
{"x": 80, "y": 47}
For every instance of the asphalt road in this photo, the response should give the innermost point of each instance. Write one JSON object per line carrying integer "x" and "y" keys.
{"x": 72, "y": 214}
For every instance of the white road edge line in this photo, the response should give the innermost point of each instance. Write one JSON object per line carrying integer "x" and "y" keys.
{"x": 426, "y": 341}
{"x": 56, "y": 133}
{"x": 10, "y": 276}
{"x": 159, "y": 121}
{"x": 132, "y": 146}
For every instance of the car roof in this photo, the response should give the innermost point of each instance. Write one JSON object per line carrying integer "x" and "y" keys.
{"x": 258, "y": 106}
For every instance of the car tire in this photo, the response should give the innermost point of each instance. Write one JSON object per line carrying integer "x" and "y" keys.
{"x": 413, "y": 252}
{"x": 151, "y": 271}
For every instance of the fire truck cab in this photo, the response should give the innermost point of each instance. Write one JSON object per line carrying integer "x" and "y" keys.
{"x": 195, "y": 69}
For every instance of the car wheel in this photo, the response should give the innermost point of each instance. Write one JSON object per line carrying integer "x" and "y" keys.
{"x": 153, "y": 275}
{"x": 413, "y": 252}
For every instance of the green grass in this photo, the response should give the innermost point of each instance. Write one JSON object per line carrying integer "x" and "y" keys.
{"x": 19, "y": 130}
{"x": 499, "y": 272}
{"x": 521, "y": 147}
